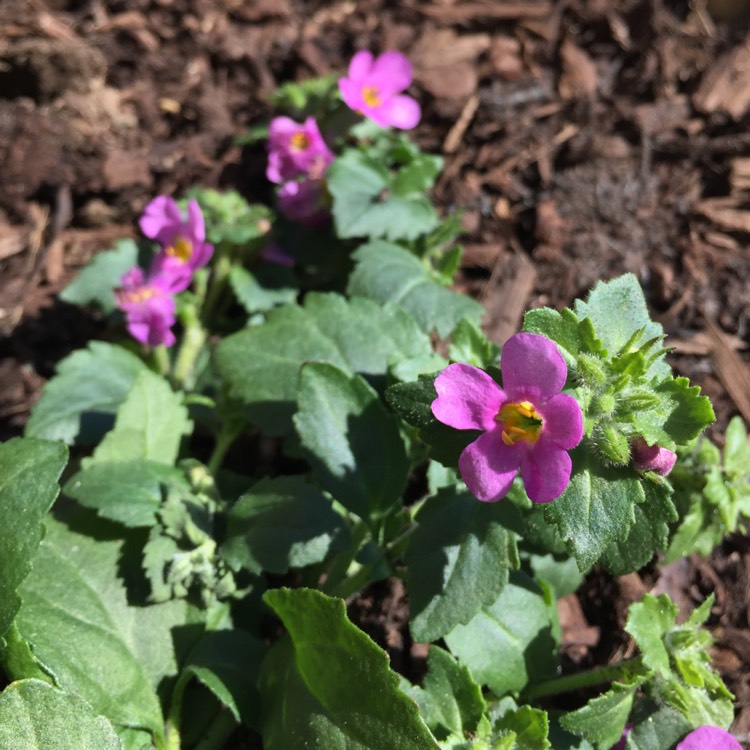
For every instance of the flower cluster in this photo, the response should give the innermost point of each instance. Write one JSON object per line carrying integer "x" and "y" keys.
{"x": 373, "y": 88}
{"x": 526, "y": 424}
{"x": 298, "y": 158}
{"x": 147, "y": 297}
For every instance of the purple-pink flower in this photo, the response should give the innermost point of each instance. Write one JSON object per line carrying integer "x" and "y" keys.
{"x": 296, "y": 150}
{"x": 622, "y": 742}
{"x": 527, "y": 424}
{"x": 149, "y": 307}
{"x": 652, "y": 457}
{"x": 374, "y": 85}
{"x": 709, "y": 738}
{"x": 182, "y": 238}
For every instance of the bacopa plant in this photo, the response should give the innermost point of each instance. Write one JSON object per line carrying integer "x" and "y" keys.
{"x": 268, "y": 428}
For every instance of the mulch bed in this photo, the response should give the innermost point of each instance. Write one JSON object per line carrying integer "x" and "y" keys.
{"x": 582, "y": 139}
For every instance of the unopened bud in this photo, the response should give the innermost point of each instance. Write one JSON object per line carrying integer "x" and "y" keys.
{"x": 613, "y": 444}
{"x": 652, "y": 457}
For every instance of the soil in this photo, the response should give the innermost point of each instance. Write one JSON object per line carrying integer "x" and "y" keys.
{"x": 582, "y": 139}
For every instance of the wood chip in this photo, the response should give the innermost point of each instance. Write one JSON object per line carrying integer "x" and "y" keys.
{"x": 731, "y": 369}
{"x": 12, "y": 241}
{"x": 740, "y": 173}
{"x": 726, "y": 86}
{"x": 725, "y": 212}
{"x": 457, "y": 132}
{"x": 579, "y": 78}
{"x": 503, "y": 11}
{"x": 506, "y": 296}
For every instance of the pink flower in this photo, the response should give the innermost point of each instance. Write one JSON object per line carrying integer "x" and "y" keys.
{"x": 374, "y": 87}
{"x": 528, "y": 423}
{"x": 296, "y": 150}
{"x": 149, "y": 307}
{"x": 652, "y": 457}
{"x": 183, "y": 240}
{"x": 709, "y": 738}
{"x": 304, "y": 201}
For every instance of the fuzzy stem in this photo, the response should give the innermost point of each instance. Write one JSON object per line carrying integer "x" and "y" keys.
{"x": 221, "y": 269}
{"x": 571, "y": 682}
{"x": 224, "y": 440}
{"x": 218, "y": 732}
{"x": 172, "y": 729}
{"x": 192, "y": 344}
{"x": 160, "y": 358}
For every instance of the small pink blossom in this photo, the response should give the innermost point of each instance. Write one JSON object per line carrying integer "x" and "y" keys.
{"x": 527, "y": 424}
{"x": 183, "y": 240}
{"x": 305, "y": 201}
{"x": 709, "y": 738}
{"x": 149, "y": 307}
{"x": 652, "y": 457}
{"x": 373, "y": 88}
{"x": 296, "y": 150}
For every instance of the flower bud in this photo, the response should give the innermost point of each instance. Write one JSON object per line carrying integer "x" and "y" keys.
{"x": 652, "y": 457}
{"x": 613, "y": 444}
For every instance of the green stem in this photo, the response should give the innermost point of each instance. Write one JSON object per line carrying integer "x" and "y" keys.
{"x": 160, "y": 357}
{"x": 572, "y": 682}
{"x": 192, "y": 344}
{"x": 224, "y": 440}
{"x": 342, "y": 563}
{"x": 172, "y": 729}
{"x": 216, "y": 735}
{"x": 221, "y": 269}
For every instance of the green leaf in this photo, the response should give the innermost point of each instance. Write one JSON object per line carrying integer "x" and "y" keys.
{"x": 681, "y": 414}
{"x": 450, "y": 700}
{"x": 530, "y": 727}
{"x": 337, "y": 419}
{"x": 261, "y": 364}
{"x": 510, "y": 643}
{"x": 29, "y": 470}
{"x": 96, "y": 283}
{"x": 649, "y": 621}
{"x": 149, "y": 425}
{"x": 596, "y": 508}
{"x": 561, "y": 327}
{"x": 227, "y": 662}
{"x": 655, "y": 728}
{"x": 469, "y": 344}
{"x": 229, "y": 217}
{"x": 386, "y": 272}
{"x": 369, "y": 202}
{"x": 37, "y": 716}
{"x": 81, "y": 628}
{"x": 602, "y": 719}
{"x": 282, "y": 523}
{"x": 79, "y": 401}
{"x": 418, "y": 176}
{"x": 330, "y": 686}
{"x": 128, "y": 492}
{"x": 618, "y": 310}
{"x": 737, "y": 448}
{"x": 649, "y": 533}
{"x": 458, "y": 560}
{"x": 264, "y": 289}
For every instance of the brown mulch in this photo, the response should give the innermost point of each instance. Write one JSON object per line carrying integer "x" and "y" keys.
{"x": 582, "y": 139}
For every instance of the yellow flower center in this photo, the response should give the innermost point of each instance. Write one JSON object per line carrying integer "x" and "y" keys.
{"x": 371, "y": 96}
{"x": 139, "y": 295}
{"x": 520, "y": 421}
{"x": 181, "y": 249}
{"x": 299, "y": 141}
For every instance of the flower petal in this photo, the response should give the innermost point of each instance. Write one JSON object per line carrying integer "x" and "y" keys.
{"x": 468, "y": 398}
{"x": 545, "y": 470}
{"x": 401, "y": 112}
{"x": 196, "y": 226}
{"x": 563, "y": 421}
{"x": 489, "y": 466}
{"x": 532, "y": 365}
{"x": 160, "y": 219}
{"x": 351, "y": 93}
{"x": 709, "y": 738}
{"x": 360, "y": 65}
{"x": 391, "y": 72}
